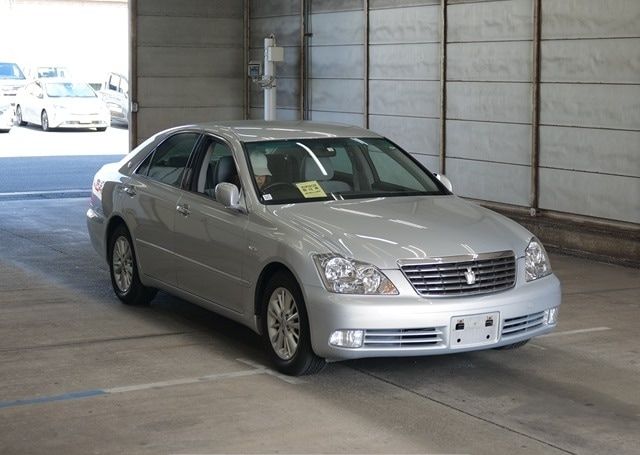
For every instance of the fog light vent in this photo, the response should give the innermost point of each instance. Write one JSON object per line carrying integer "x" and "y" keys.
{"x": 347, "y": 338}
{"x": 551, "y": 316}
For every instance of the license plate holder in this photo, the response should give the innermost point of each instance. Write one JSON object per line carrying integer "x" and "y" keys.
{"x": 474, "y": 330}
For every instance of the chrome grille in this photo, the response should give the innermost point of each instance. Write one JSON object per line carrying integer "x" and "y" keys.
{"x": 402, "y": 338}
{"x": 445, "y": 277}
{"x": 521, "y": 324}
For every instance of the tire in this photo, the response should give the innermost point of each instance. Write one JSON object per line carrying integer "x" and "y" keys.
{"x": 19, "y": 120}
{"x": 44, "y": 121}
{"x": 282, "y": 299}
{"x": 123, "y": 268}
{"x": 102, "y": 128}
{"x": 517, "y": 345}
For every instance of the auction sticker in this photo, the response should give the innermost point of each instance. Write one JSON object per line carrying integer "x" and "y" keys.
{"x": 311, "y": 189}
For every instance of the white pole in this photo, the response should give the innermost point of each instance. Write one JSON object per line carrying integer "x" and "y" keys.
{"x": 269, "y": 75}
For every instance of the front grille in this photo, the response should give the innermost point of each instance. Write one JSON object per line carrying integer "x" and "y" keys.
{"x": 447, "y": 277}
{"x": 522, "y": 324}
{"x": 402, "y": 338}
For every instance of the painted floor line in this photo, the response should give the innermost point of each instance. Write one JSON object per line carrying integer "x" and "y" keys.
{"x": 136, "y": 387}
{"x": 573, "y": 332}
{"x": 270, "y": 372}
{"x": 63, "y": 397}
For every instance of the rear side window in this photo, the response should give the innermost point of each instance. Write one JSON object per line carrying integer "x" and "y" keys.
{"x": 168, "y": 162}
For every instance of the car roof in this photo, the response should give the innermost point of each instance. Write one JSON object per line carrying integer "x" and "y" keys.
{"x": 260, "y": 130}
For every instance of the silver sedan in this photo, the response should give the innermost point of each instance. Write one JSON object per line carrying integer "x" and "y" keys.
{"x": 330, "y": 241}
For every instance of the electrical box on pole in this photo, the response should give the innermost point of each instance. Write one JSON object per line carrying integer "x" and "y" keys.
{"x": 265, "y": 75}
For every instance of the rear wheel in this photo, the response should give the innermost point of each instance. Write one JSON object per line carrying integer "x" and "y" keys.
{"x": 285, "y": 327}
{"x": 19, "y": 120}
{"x": 44, "y": 121}
{"x": 124, "y": 270}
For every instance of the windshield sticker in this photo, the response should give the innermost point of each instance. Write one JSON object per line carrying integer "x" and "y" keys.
{"x": 311, "y": 189}
{"x": 267, "y": 197}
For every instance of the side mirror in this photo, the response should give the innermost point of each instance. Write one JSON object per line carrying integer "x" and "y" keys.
{"x": 229, "y": 196}
{"x": 445, "y": 181}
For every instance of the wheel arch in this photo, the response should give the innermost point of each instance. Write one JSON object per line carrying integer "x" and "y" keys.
{"x": 112, "y": 225}
{"x": 267, "y": 272}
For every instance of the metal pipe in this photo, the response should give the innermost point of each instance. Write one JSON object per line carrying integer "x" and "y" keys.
{"x": 270, "y": 101}
{"x": 303, "y": 82}
{"x": 443, "y": 86}
{"x": 366, "y": 65}
{"x": 535, "y": 110}
{"x": 133, "y": 74}
{"x": 245, "y": 54}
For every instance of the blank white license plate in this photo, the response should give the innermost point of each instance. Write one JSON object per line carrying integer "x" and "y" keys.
{"x": 476, "y": 330}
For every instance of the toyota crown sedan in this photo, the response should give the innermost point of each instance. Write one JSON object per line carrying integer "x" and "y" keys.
{"x": 330, "y": 241}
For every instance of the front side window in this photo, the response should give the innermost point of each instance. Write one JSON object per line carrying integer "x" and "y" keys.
{"x": 10, "y": 71}
{"x": 306, "y": 170}
{"x": 217, "y": 167}
{"x": 168, "y": 162}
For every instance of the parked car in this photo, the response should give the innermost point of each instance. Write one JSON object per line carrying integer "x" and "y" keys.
{"x": 330, "y": 241}
{"x": 6, "y": 114}
{"x": 11, "y": 80}
{"x": 41, "y": 72}
{"x": 55, "y": 103}
{"x": 115, "y": 92}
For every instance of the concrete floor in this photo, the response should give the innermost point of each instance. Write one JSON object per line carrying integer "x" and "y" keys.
{"x": 81, "y": 373}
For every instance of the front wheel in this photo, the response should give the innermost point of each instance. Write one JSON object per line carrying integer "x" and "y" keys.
{"x": 124, "y": 270}
{"x": 44, "y": 121}
{"x": 285, "y": 328}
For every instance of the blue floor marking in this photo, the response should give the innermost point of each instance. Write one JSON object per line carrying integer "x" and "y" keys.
{"x": 63, "y": 397}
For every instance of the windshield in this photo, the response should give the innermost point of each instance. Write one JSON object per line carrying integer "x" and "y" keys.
{"x": 10, "y": 71}
{"x": 70, "y": 89}
{"x": 341, "y": 168}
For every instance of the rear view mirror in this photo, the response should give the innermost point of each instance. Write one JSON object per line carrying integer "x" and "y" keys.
{"x": 445, "y": 181}
{"x": 228, "y": 195}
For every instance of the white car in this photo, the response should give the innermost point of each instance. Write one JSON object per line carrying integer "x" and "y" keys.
{"x": 60, "y": 103}
{"x": 6, "y": 114}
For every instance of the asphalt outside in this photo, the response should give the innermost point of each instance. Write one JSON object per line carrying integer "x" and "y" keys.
{"x": 81, "y": 373}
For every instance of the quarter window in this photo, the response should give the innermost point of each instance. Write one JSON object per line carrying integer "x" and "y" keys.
{"x": 170, "y": 159}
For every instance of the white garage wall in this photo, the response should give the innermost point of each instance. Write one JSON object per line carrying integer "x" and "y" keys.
{"x": 189, "y": 62}
{"x": 404, "y": 74}
{"x": 590, "y": 111}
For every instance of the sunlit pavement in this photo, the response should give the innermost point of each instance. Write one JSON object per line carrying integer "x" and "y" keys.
{"x": 25, "y": 141}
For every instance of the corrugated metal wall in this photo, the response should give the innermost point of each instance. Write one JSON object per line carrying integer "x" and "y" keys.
{"x": 589, "y": 136}
{"x": 190, "y": 68}
{"x": 189, "y": 62}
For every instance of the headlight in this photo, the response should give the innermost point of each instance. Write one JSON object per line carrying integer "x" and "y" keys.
{"x": 536, "y": 261}
{"x": 348, "y": 276}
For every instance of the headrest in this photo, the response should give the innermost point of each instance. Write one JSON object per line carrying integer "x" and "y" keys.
{"x": 259, "y": 164}
{"x": 318, "y": 170}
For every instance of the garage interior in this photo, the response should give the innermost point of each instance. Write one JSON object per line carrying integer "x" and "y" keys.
{"x": 530, "y": 107}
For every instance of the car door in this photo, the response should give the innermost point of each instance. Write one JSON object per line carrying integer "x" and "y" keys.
{"x": 211, "y": 239}
{"x": 29, "y": 103}
{"x": 148, "y": 201}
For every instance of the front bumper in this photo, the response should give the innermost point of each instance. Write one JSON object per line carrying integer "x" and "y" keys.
{"x": 72, "y": 120}
{"x": 519, "y": 312}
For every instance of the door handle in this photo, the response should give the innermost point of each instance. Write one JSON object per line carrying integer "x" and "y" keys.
{"x": 183, "y": 210}
{"x": 131, "y": 191}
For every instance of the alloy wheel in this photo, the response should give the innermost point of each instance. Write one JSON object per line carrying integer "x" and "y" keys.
{"x": 283, "y": 323}
{"x": 122, "y": 263}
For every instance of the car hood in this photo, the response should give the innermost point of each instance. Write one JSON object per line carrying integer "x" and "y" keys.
{"x": 383, "y": 230}
{"x": 80, "y": 105}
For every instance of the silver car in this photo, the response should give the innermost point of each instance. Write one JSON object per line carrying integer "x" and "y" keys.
{"x": 330, "y": 241}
